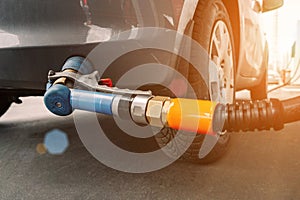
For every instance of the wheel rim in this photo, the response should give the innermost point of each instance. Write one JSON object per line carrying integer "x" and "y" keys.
{"x": 221, "y": 53}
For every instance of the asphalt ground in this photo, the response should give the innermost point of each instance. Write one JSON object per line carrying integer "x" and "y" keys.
{"x": 258, "y": 165}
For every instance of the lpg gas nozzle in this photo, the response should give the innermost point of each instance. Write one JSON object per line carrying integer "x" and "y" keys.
{"x": 201, "y": 116}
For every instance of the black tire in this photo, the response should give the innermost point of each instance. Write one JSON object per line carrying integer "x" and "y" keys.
{"x": 208, "y": 154}
{"x": 207, "y": 14}
{"x": 193, "y": 152}
{"x": 260, "y": 91}
{"x": 5, "y": 102}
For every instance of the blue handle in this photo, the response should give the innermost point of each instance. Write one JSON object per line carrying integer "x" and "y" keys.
{"x": 61, "y": 100}
{"x": 92, "y": 101}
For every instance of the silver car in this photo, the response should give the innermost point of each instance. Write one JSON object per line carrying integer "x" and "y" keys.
{"x": 36, "y": 36}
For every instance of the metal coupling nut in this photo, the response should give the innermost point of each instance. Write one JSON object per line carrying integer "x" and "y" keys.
{"x": 138, "y": 109}
{"x": 154, "y": 112}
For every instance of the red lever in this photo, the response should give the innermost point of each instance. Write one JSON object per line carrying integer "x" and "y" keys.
{"x": 106, "y": 81}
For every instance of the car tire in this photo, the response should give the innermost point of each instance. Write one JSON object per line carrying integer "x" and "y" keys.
{"x": 210, "y": 17}
{"x": 5, "y": 102}
{"x": 208, "y": 13}
{"x": 260, "y": 91}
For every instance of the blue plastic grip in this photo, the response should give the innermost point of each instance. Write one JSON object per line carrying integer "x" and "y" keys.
{"x": 57, "y": 100}
{"x": 60, "y": 100}
{"x": 92, "y": 101}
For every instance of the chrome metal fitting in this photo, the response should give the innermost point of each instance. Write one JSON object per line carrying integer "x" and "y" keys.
{"x": 138, "y": 109}
{"x": 154, "y": 111}
{"x": 121, "y": 107}
{"x": 115, "y": 105}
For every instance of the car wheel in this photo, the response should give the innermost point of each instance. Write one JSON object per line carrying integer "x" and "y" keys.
{"x": 259, "y": 92}
{"x": 5, "y": 102}
{"x": 212, "y": 30}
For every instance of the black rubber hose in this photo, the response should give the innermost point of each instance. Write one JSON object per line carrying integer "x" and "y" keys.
{"x": 291, "y": 110}
{"x": 251, "y": 116}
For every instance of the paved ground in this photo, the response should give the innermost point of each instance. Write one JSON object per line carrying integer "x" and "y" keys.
{"x": 260, "y": 165}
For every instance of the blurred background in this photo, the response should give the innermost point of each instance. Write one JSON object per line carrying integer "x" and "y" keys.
{"x": 282, "y": 28}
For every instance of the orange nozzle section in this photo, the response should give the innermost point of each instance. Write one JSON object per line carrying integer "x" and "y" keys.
{"x": 191, "y": 115}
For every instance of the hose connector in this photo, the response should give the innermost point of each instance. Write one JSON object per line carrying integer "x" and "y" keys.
{"x": 156, "y": 111}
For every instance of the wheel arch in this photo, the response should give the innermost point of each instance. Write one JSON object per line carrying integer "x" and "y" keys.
{"x": 233, "y": 9}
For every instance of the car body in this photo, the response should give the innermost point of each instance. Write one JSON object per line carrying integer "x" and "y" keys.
{"x": 36, "y": 36}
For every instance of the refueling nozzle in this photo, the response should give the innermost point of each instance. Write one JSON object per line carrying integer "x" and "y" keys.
{"x": 200, "y": 116}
